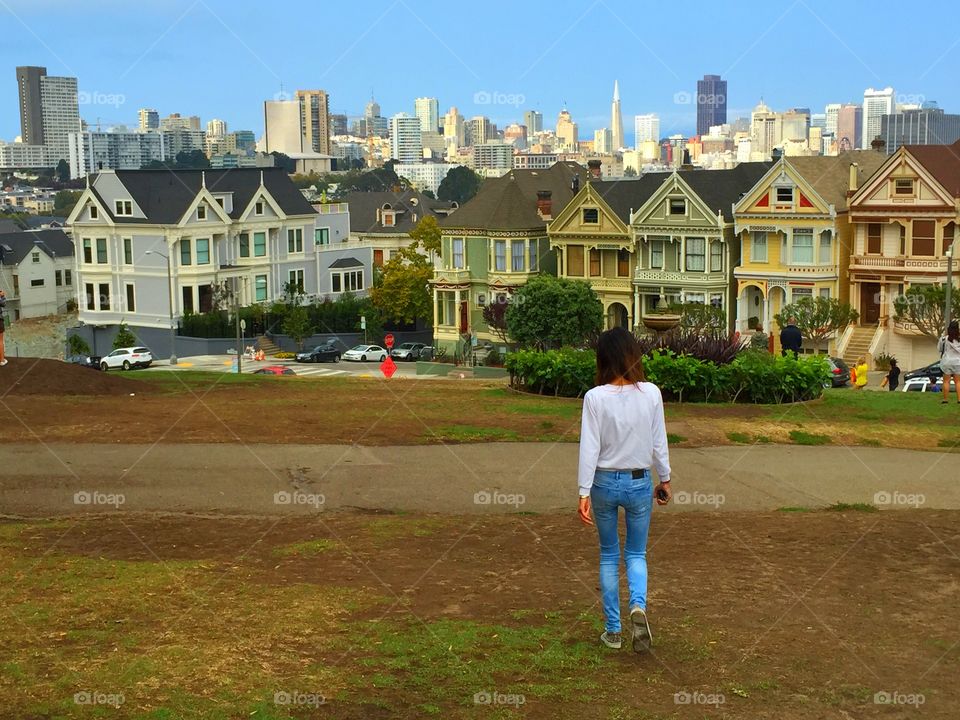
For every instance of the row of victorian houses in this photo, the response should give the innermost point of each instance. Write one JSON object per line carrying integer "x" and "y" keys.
{"x": 861, "y": 227}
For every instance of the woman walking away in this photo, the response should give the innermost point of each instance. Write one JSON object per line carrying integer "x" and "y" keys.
{"x": 622, "y": 435}
{"x": 861, "y": 370}
{"x": 949, "y": 347}
{"x": 3, "y": 304}
{"x": 892, "y": 379}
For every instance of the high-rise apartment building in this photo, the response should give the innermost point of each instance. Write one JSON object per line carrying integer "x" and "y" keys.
{"x": 454, "y": 132}
{"x": 711, "y": 103}
{"x": 49, "y": 110}
{"x": 148, "y": 119}
{"x": 281, "y": 127}
{"x": 533, "y": 119}
{"x": 405, "y": 141}
{"x": 876, "y": 104}
{"x": 603, "y": 141}
{"x": 849, "y": 125}
{"x": 831, "y": 112}
{"x": 567, "y": 131}
{"x": 216, "y": 128}
{"x": 616, "y": 119}
{"x": 176, "y": 121}
{"x": 924, "y": 126}
{"x": 646, "y": 127}
{"x": 338, "y": 124}
{"x": 94, "y": 151}
{"x": 765, "y": 129}
{"x": 795, "y": 125}
{"x": 427, "y": 110}
{"x": 479, "y": 130}
{"x": 315, "y": 120}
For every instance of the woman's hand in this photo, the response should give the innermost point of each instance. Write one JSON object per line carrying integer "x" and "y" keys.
{"x": 583, "y": 510}
{"x": 663, "y": 489}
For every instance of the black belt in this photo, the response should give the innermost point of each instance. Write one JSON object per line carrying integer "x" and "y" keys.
{"x": 635, "y": 474}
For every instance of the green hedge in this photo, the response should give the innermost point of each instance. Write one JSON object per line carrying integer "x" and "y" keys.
{"x": 753, "y": 377}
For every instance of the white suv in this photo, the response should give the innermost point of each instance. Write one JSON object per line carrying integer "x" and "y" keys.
{"x": 127, "y": 358}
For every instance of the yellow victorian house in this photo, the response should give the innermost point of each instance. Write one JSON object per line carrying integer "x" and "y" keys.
{"x": 796, "y": 241}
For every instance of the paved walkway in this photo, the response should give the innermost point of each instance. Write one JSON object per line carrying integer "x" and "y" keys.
{"x": 40, "y": 480}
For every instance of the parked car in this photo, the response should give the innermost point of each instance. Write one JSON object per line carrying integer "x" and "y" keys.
{"x": 362, "y": 353}
{"x": 87, "y": 361}
{"x": 932, "y": 372}
{"x": 408, "y": 351}
{"x": 321, "y": 353}
{"x": 274, "y": 370}
{"x": 127, "y": 358}
{"x": 839, "y": 372}
{"x": 922, "y": 383}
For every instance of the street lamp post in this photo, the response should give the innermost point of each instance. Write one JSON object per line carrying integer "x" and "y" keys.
{"x": 173, "y": 327}
{"x": 949, "y": 289}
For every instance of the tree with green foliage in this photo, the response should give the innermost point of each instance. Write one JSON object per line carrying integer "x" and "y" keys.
{"x": 76, "y": 345}
{"x": 495, "y": 316}
{"x": 401, "y": 291}
{"x": 297, "y": 325}
{"x": 550, "y": 312}
{"x": 124, "y": 338}
{"x": 817, "y": 318}
{"x": 64, "y": 201}
{"x": 459, "y": 185}
{"x": 924, "y": 306}
{"x": 284, "y": 161}
{"x": 701, "y": 319}
{"x": 630, "y": 171}
{"x": 428, "y": 193}
{"x": 63, "y": 171}
{"x": 192, "y": 160}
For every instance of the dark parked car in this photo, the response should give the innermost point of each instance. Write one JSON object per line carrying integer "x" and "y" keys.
{"x": 321, "y": 353}
{"x": 87, "y": 361}
{"x": 932, "y": 372}
{"x": 839, "y": 372}
{"x": 274, "y": 370}
{"x": 409, "y": 351}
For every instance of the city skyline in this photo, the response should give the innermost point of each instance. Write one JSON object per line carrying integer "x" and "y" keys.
{"x": 119, "y": 76}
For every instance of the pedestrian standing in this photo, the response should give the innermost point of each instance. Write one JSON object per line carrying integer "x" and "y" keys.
{"x": 862, "y": 369}
{"x": 791, "y": 339}
{"x": 3, "y": 304}
{"x": 949, "y": 347}
{"x": 622, "y": 438}
{"x": 892, "y": 379}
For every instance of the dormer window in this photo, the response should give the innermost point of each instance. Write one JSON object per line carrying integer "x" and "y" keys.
{"x": 784, "y": 194}
{"x": 94, "y": 212}
{"x": 678, "y": 206}
{"x": 201, "y": 212}
{"x": 258, "y": 207}
{"x": 903, "y": 186}
{"x": 591, "y": 216}
{"x": 123, "y": 207}
{"x": 388, "y": 218}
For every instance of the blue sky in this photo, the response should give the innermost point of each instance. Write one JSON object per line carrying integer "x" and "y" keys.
{"x": 223, "y": 59}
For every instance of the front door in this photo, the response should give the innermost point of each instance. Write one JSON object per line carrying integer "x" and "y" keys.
{"x": 869, "y": 303}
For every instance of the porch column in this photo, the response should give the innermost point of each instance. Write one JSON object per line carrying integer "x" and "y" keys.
{"x": 636, "y": 307}
{"x": 767, "y": 315}
{"x": 436, "y": 311}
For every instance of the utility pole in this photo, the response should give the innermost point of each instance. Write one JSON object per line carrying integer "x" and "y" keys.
{"x": 949, "y": 290}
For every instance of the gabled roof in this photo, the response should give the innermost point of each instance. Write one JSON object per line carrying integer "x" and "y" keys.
{"x": 165, "y": 195}
{"x": 509, "y": 202}
{"x": 829, "y": 176}
{"x": 406, "y": 203}
{"x": 55, "y": 243}
{"x": 720, "y": 189}
{"x": 628, "y": 194}
{"x": 36, "y": 221}
{"x": 941, "y": 161}
{"x": 8, "y": 226}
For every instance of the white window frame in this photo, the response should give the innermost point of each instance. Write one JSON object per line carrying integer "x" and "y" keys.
{"x": 756, "y": 245}
{"x": 256, "y": 288}
{"x": 456, "y": 253}
{"x": 254, "y": 245}
{"x": 671, "y": 201}
{"x": 521, "y": 256}
{"x": 800, "y": 292}
{"x": 295, "y": 239}
{"x": 497, "y": 266}
{"x": 533, "y": 256}
{"x": 35, "y": 256}
{"x": 718, "y": 255}
{"x": 702, "y": 255}
{"x": 258, "y": 207}
{"x": 96, "y": 250}
{"x": 825, "y": 292}
{"x": 321, "y": 236}
{"x": 128, "y": 289}
{"x": 825, "y": 246}
{"x": 196, "y": 250}
{"x": 127, "y": 250}
{"x": 583, "y": 216}
{"x": 803, "y": 233}
{"x": 124, "y": 208}
{"x": 201, "y": 212}
{"x": 349, "y": 280}
{"x": 297, "y": 277}
{"x": 783, "y": 188}
{"x": 657, "y": 248}
{"x": 94, "y": 212}
{"x": 38, "y": 282}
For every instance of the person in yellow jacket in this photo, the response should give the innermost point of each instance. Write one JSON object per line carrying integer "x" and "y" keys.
{"x": 861, "y": 370}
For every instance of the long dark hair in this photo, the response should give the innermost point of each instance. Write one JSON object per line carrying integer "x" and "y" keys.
{"x": 618, "y": 356}
{"x": 953, "y": 331}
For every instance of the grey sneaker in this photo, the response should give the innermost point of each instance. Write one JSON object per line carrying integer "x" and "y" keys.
{"x": 612, "y": 640}
{"x": 642, "y": 636}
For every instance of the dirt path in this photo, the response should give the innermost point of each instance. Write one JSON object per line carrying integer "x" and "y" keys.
{"x": 40, "y": 480}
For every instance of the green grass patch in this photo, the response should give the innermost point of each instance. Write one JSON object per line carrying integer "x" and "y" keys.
{"x": 673, "y": 438}
{"x": 306, "y": 548}
{"x": 560, "y": 410}
{"x": 801, "y": 437}
{"x": 471, "y": 433}
{"x": 796, "y": 509}
{"x": 738, "y": 437}
{"x": 949, "y": 443}
{"x": 853, "y": 507}
{"x": 871, "y": 442}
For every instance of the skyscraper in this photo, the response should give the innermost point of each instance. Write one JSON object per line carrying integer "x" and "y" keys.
{"x": 453, "y": 129}
{"x": 533, "y": 119}
{"x": 216, "y": 128}
{"x": 876, "y": 104}
{"x": 375, "y": 123}
{"x": 849, "y": 122}
{"x": 281, "y": 127}
{"x": 405, "y": 141}
{"x": 924, "y": 126}
{"x": 711, "y": 103}
{"x": 315, "y": 120}
{"x": 567, "y": 133}
{"x": 832, "y": 111}
{"x": 646, "y": 127}
{"x": 338, "y": 124}
{"x": 49, "y": 110}
{"x": 602, "y": 141}
{"x": 427, "y": 110}
{"x": 616, "y": 119}
{"x": 149, "y": 119}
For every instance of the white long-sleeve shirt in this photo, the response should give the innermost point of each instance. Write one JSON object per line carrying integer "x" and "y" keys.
{"x": 622, "y": 428}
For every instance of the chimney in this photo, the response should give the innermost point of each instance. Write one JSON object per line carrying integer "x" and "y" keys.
{"x": 878, "y": 144}
{"x": 575, "y": 184}
{"x": 852, "y": 184}
{"x": 594, "y": 167}
{"x": 545, "y": 204}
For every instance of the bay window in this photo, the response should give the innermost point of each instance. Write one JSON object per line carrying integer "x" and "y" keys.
{"x": 695, "y": 249}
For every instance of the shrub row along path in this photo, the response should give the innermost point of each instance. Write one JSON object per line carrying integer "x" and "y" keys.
{"x": 41, "y": 480}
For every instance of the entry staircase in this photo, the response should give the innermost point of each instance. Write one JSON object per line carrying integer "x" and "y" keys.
{"x": 268, "y": 346}
{"x": 859, "y": 343}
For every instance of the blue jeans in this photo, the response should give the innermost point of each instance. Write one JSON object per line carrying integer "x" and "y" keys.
{"x": 613, "y": 489}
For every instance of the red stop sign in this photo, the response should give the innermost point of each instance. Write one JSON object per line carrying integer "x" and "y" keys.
{"x": 388, "y": 340}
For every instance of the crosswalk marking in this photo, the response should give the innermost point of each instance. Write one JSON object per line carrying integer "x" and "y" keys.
{"x": 315, "y": 372}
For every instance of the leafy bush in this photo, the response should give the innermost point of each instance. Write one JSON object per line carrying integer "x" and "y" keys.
{"x": 124, "y": 338}
{"x": 881, "y": 361}
{"x": 493, "y": 359}
{"x": 754, "y": 376}
{"x": 719, "y": 348}
{"x": 76, "y": 345}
